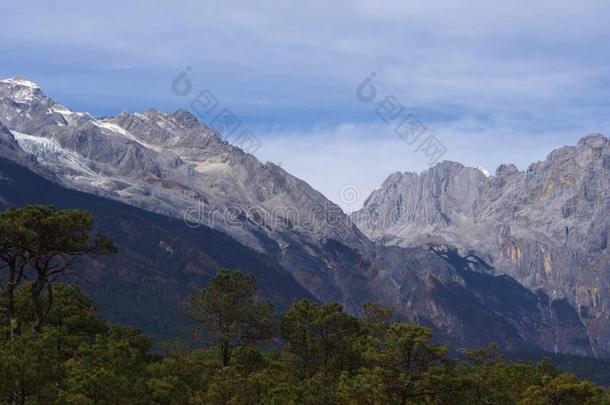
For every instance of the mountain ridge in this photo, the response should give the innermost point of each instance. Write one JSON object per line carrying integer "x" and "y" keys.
{"x": 173, "y": 165}
{"x": 547, "y": 226}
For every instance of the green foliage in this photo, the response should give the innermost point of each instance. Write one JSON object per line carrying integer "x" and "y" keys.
{"x": 320, "y": 341}
{"x": 45, "y": 234}
{"x": 76, "y": 359}
{"x": 228, "y": 316}
{"x": 407, "y": 365}
{"x": 29, "y": 367}
{"x": 326, "y": 357}
{"x": 110, "y": 370}
{"x": 588, "y": 368}
{"x": 41, "y": 242}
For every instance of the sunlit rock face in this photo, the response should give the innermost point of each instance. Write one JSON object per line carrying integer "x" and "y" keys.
{"x": 547, "y": 227}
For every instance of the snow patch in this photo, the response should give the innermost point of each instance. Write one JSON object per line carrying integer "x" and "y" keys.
{"x": 116, "y": 129}
{"x": 20, "y": 81}
{"x": 40, "y": 147}
{"x": 47, "y": 150}
{"x": 21, "y": 90}
{"x": 63, "y": 111}
{"x": 210, "y": 167}
{"x": 60, "y": 109}
{"x": 484, "y": 171}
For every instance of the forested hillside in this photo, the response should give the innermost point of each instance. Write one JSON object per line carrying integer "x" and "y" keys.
{"x": 54, "y": 349}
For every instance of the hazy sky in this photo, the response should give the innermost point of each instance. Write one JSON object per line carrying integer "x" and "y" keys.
{"x": 493, "y": 82}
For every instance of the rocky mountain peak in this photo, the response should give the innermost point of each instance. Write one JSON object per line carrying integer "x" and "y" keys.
{"x": 446, "y": 167}
{"x": 21, "y": 89}
{"x": 547, "y": 227}
{"x": 410, "y": 206}
{"x": 506, "y": 170}
{"x": 168, "y": 163}
{"x": 20, "y": 82}
{"x": 587, "y": 150}
{"x": 185, "y": 118}
{"x": 594, "y": 141}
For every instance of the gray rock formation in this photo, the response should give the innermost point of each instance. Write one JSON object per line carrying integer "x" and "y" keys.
{"x": 547, "y": 227}
{"x": 173, "y": 165}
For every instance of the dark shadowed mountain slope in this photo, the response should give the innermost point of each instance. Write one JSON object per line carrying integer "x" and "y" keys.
{"x": 160, "y": 260}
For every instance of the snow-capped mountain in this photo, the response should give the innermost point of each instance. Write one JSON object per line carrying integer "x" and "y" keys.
{"x": 171, "y": 164}
{"x": 167, "y": 163}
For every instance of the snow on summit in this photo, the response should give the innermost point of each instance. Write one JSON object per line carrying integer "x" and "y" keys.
{"x": 20, "y": 81}
{"x": 21, "y": 89}
{"x": 484, "y": 171}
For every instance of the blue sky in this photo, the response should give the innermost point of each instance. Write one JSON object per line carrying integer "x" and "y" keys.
{"x": 494, "y": 82}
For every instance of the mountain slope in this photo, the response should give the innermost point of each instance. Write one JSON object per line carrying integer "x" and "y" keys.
{"x": 173, "y": 165}
{"x": 547, "y": 227}
{"x": 160, "y": 260}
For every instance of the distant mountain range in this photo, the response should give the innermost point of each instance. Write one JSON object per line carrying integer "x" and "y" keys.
{"x": 518, "y": 258}
{"x": 547, "y": 227}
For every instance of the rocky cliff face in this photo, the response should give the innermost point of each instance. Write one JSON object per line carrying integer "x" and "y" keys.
{"x": 173, "y": 165}
{"x": 547, "y": 227}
